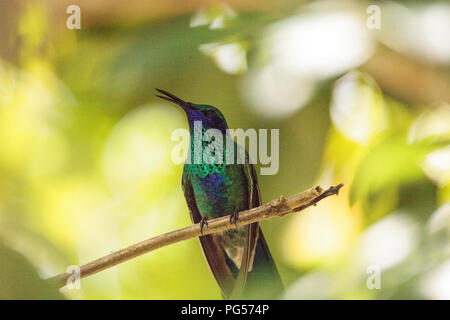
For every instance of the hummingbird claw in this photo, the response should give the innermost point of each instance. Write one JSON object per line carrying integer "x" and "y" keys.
{"x": 203, "y": 222}
{"x": 234, "y": 217}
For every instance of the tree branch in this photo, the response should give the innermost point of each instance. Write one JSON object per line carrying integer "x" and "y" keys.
{"x": 278, "y": 207}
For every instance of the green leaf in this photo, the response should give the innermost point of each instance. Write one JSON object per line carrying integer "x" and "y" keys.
{"x": 20, "y": 280}
{"x": 390, "y": 163}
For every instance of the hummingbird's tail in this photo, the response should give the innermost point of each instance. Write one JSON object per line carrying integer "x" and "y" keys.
{"x": 264, "y": 281}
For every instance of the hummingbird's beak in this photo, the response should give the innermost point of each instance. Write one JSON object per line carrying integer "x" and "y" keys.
{"x": 172, "y": 98}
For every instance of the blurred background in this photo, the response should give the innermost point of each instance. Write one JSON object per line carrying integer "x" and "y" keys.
{"x": 360, "y": 95}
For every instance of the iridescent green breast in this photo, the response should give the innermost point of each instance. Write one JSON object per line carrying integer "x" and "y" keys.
{"x": 219, "y": 193}
{"x": 220, "y": 188}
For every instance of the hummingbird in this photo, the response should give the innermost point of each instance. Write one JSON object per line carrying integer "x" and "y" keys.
{"x": 239, "y": 258}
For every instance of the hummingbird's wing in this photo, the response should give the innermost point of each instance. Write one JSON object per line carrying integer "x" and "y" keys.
{"x": 264, "y": 273}
{"x": 252, "y": 232}
{"x": 220, "y": 265}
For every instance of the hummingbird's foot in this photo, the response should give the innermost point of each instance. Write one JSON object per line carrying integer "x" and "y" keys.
{"x": 234, "y": 217}
{"x": 203, "y": 222}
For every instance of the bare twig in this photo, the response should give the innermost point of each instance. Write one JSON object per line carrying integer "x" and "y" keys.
{"x": 278, "y": 207}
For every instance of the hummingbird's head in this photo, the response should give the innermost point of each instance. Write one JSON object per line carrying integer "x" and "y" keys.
{"x": 209, "y": 116}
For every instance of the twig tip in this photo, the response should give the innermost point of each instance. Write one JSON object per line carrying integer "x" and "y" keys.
{"x": 338, "y": 188}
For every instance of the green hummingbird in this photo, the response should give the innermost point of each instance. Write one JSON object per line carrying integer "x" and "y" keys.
{"x": 239, "y": 258}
